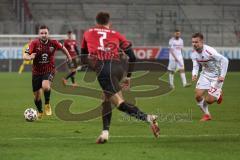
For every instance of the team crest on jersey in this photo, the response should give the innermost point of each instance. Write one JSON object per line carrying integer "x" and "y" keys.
{"x": 51, "y": 49}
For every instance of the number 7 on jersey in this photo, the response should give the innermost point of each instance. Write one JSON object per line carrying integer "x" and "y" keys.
{"x": 103, "y": 36}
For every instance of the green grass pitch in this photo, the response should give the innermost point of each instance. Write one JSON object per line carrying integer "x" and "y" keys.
{"x": 186, "y": 138}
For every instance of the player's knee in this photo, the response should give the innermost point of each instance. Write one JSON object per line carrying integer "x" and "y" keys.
{"x": 210, "y": 99}
{"x": 74, "y": 72}
{"x": 37, "y": 96}
{"x": 198, "y": 97}
{"x": 46, "y": 87}
{"x": 181, "y": 71}
{"x": 171, "y": 72}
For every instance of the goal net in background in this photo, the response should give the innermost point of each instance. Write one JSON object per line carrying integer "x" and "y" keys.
{"x": 11, "y": 50}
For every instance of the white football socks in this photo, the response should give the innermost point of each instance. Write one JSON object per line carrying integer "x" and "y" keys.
{"x": 183, "y": 77}
{"x": 203, "y": 106}
{"x": 171, "y": 79}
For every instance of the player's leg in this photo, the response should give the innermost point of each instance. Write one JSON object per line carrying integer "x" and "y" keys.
{"x": 46, "y": 87}
{"x": 38, "y": 103}
{"x": 183, "y": 77}
{"x": 215, "y": 92}
{"x": 106, "y": 120}
{"x": 21, "y": 68}
{"x": 171, "y": 70}
{"x": 134, "y": 111}
{"x": 106, "y": 113}
{"x": 72, "y": 66}
{"x": 113, "y": 91}
{"x": 74, "y": 84}
{"x": 203, "y": 85}
{"x": 36, "y": 87}
{"x": 201, "y": 102}
{"x": 109, "y": 78}
{"x": 70, "y": 75}
{"x": 181, "y": 68}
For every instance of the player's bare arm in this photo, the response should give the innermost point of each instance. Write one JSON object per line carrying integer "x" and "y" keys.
{"x": 221, "y": 79}
{"x": 132, "y": 59}
{"x": 194, "y": 78}
{"x": 224, "y": 64}
{"x": 28, "y": 57}
{"x": 65, "y": 51}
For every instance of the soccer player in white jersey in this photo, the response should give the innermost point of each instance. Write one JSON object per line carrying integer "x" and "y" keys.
{"x": 214, "y": 69}
{"x": 176, "y": 59}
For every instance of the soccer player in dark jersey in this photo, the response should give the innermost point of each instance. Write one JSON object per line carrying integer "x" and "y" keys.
{"x": 71, "y": 45}
{"x": 42, "y": 51}
{"x": 100, "y": 46}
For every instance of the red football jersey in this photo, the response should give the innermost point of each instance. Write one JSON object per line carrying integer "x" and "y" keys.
{"x": 103, "y": 43}
{"x": 44, "y": 60}
{"x": 71, "y": 45}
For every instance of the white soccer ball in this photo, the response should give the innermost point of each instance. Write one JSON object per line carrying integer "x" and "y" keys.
{"x": 30, "y": 114}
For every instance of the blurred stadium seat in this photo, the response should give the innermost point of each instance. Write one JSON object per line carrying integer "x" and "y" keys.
{"x": 144, "y": 22}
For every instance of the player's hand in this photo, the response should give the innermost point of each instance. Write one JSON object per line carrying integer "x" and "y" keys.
{"x": 125, "y": 83}
{"x": 32, "y": 56}
{"x": 221, "y": 79}
{"x": 69, "y": 59}
{"x": 194, "y": 77}
{"x": 177, "y": 61}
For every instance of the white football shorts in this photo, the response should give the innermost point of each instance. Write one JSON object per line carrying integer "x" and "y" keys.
{"x": 174, "y": 66}
{"x": 211, "y": 84}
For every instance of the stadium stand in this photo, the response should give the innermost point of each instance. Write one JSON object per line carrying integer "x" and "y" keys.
{"x": 144, "y": 22}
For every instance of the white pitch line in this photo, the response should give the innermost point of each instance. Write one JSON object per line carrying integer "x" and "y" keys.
{"x": 135, "y": 136}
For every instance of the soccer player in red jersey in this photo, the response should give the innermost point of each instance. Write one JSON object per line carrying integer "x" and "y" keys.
{"x": 42, "y": 51}
{"x": 100, "y": 47}
{"x": 71, "y": 45}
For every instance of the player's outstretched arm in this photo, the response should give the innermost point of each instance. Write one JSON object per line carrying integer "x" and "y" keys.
{"x": 131, "y": 60}
{"x": 65, "y": 51}
{"x": 224, "y": 67}
{"x": 195, "y": 69}
{"x": 224, "y": 64}
{"x": 28, "y": 57}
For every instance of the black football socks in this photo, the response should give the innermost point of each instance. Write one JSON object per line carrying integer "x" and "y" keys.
{"x": 106, "y": 114}
{"x": 47, "y": 96}
{"x": 38, "y": 104}
{"x": 73, "y": 79}
{"x": 71, "y": 74}
{"x": 133, "y": 111}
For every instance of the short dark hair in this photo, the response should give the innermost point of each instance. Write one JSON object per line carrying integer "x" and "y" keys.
{"x": 43, "y": 27}
{"x": 177, "y": 30}
{"x": 103, "y": 18}
{"x": 198, "y": 35}
{"x": 69, "y": 32}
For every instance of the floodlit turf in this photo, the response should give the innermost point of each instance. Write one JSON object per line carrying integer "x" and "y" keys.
{"x": 182, "y": 135}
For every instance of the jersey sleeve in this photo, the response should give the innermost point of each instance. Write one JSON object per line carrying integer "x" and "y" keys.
{"x": 31, "y": 47}
{"x": 64, "y": 43}
{"x": 57, "y": 44}
{"x": 84, "y": 42}
{"x": 195, "y": 69}
{"x": 223, "y": 61}
{"x": 124, "y": 43}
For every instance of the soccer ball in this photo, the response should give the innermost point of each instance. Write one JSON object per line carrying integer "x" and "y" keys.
{"x": 30, "y": 114}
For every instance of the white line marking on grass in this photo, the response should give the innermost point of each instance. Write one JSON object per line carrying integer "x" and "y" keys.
{"x": 118, "y": 136}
